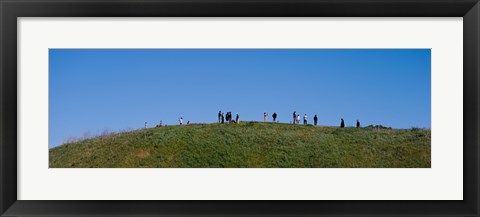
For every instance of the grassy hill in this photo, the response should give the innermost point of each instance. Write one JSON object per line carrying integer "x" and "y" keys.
{"x": 249, "y": 145}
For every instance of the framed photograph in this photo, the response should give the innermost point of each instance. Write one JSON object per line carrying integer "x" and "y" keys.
{"x": 170, "y": 108}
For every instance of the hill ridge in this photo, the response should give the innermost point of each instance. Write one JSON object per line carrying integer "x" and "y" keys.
{"x": 249, "y": 145}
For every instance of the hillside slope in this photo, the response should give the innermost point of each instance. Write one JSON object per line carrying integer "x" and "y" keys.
{"x": 249, "y": 145}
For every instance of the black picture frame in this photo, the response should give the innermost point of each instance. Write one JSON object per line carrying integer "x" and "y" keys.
{"x": 10, "y": 10}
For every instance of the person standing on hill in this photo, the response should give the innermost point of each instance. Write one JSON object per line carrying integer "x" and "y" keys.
{"x": 315, "y": 119}
{"x": 294, "y": 116}
{"x": 180, "y": 120}
{"x": 223, "y": 118}
{"x": 227, "y": 116}
{"x": 237, "y": 118}
{"x": 358, "y": 124}
{"x": 305, "y": 118}
{"x": 342, "y": 124}
{"x": 219, "y": 116}
{"x": 265, "y": 114}
{"x": 274, "y": 116}
{"x": 298, "y": 119}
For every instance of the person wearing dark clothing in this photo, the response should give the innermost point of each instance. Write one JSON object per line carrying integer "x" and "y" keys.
{"x": 223, "y": 118}
{"x": 294, "y": 117}
{"x": 358, "y": 124}
{"x": 315, "y": 119}
{"x": 274, "y": 116}
{"x": 219, "y": 116}
{"x": 237, "y": 118}
{"x": 342, "y": 124}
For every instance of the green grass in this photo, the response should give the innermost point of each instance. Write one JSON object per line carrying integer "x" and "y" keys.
{"x": 249, "y": 145}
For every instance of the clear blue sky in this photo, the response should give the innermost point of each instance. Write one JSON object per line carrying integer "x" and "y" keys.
{"x": 92, "y": 90}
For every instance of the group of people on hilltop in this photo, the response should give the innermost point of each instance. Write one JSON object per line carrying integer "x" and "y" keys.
{"x": 228, "y": 117}
{"x": 222, "y": 118}
{"x": 296, "y": 119}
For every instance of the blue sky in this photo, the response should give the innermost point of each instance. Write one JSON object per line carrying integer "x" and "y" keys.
{"x": 92, "y": 90}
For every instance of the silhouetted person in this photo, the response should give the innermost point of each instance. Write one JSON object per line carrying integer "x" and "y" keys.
{"x": 237, "y": 119}
{"x": 358, "y": 124}
{"x": 223, "y": 118}
{"x": 315, "y": 119}
{"x": 294, "y": 116}
{"x": 305, "y": 118}
{"x": 219, "y": 116}
{"x": 188, "y": 122}
{"x": 342, "y": 124}
{"x": 274, "y": 116}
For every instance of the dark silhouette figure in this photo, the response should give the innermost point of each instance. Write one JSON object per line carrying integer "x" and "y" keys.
{"x": 358, "y": 124}
{"x": 219, "y": 116}
{"x": 315, "y": 119}
{"x": 237, "y": 118}
{"x": 223, "y": 118}
{"x": 294, "y": 117}
{"x": 342, "y": 124}
{"x": 274, "y": 116}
